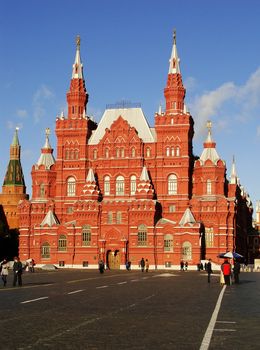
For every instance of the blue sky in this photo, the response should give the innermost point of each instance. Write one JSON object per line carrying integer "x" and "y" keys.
{"x": 125, "y": 49}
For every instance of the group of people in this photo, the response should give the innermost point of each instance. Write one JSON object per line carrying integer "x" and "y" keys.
{"x": 184, "y": 265}
{"x": 17, "y": 270}
{"x": 226, "y": 271}
{"x": 144, "y": 264}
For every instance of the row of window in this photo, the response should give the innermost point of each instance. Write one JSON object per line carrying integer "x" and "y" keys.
{"x": 119, "y": 152}
{"x": 120, "y": 185}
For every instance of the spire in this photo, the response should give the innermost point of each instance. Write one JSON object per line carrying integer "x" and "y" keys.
{"x": 144, "y": 186}
{"x": 77, "y": 71}
{"x": 174, "y": 91}
{"x": 209, "y": 151}
{"x": 77, "y": 96}
{"x": 233, "y": 176}
{"x": 14, "y": 172}
{"x": 46, "y": 158}
{"x": 174, "y": 60}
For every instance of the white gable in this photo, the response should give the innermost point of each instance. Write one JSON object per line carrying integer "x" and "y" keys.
{"x": 135, "y": 118}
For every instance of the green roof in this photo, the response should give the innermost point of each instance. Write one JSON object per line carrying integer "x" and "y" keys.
{"x": 14, "y": 173}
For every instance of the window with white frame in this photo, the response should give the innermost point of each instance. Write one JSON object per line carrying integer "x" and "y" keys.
{"x": 172, "y": 152}
{"x": 86, "y": 235}
{"x": 177, "y": 151}
{"x": 209, "y": 187}
{"x": 186, "y": 251}
{"x": 168, "y": 243}
{"x": 110, "y": 217}
{"x": 167, "y": 151}
{"x": 172, "y": 184}
{"x": 62, "y": 243}
{"x": 71, "y": 187}
{"x": 46, "y": 250}
{"x": 107, "y": 185}
{"x": 119, "y": 217}
{"x": 132, "y": 185}
{"x": 172, "y": 208}
{"x": 120, "y": 186}
{"x": 209, "y": 237}
{"x": 148, "y": 152}
{"x": 142, "y": 235}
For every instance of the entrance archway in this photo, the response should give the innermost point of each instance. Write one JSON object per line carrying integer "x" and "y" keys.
{"x": 113, "y": 259}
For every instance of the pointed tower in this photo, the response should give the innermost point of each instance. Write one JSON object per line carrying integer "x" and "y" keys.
{"x": 233, "y": 175}
{"x": 144, "y": 187}
{"x": 13, "y": 189}
{"x": 43, "y": 173}
{"x": 174, "y": 91}
{"x": 77, "y": 96}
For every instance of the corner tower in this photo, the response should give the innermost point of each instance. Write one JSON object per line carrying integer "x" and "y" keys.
{"x": 13, "y": 189}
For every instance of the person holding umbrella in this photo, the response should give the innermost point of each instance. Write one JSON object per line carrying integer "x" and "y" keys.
{"x": 226, "y": 269}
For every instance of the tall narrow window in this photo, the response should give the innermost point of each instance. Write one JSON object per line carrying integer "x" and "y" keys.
{"x": 142, "y": 235}
{"x": 209, "y": 187}
{"x": 106, "y": 153}
{"x": 62, "y": 243}
{"x": 117, "y": 152}
{"x": 168, "y": 243}
{"x": 209, "y": 237}
{"x": 95, "y": 154}
{"x": 148, "y": 152}
{"x": 167, "y": 151}
{"x": 110, "y": 217}
{"x": 122, "y": 152}
{"x": 46, "y": 250}
{"x": 107, "y": 185}
{"x": 132, "y": 185}
{"x": 133, "y": 152}
{"x": 119, "y": 217}
{"x": 172, "y": 184}
{"x": 71, "y": 187}
{"x": 186, "y": 251}
{"x": 76, "y": 154}
{"x": 120, "y": 186}
{"x": 177, "y": 151}
{"x": 42, "y": 191}
{"x": 86, "y": 235}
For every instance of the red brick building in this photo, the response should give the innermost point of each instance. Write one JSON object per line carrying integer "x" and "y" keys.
{"x": 121, "y": 190}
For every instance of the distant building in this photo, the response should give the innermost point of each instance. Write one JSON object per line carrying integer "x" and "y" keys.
{"x": 13, "y": 189}
{"x": 121, "y": 190}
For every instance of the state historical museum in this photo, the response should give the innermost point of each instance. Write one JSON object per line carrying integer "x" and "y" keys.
{"x": 121, "y": 190}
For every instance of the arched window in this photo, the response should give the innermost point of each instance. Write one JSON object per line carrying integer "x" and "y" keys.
{"x": 177, "y": 151}
{"x": 172, "y": 184}
{"x": 133, "y": 152}
{"x": 110, "y": 217}
{"x": 209, "y": 187}
{"x": 168, "y": 243}
{"x": 132, "y": 184}
{"x": 142, "y": 235}
{"x": 95, "y": 154}
{"x": 106, "y": 153}
{"x": 71, "y": 187}
{"x": 62, "y": 243}
{"x": 209, "y": 237}
{"x": 167, "y": 151}
{"x": 107, "y": 185}
{"x": 119, "y": 217}
{"x": 42, "y": 191}
{"x": 172, "y": 151}
{"x": 46, "y": 250}
{"x": 72, "y": 154}
{"x": 120, "y": 186}
{"x": 122, "y": 152}
{"x": 186, "y": 251}
{"x": 67, "y": 154}
{"x": 76, "y": 154}
{"x": 117, "y": 152}
{"x": 86, "y": 235}
{"x": 148, "y": 152}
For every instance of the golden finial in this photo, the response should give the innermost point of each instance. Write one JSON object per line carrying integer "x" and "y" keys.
{"x": 174, "y": 36}
{"x": 209, "y": 125}
{"x": 47, "y": 132}
{"x": 78, "y": 41}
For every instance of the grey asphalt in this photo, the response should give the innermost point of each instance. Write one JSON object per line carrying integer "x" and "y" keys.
{"x": 83, "y": 309}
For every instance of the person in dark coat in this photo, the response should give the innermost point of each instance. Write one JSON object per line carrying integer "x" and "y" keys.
{"x": 18, "y": 270}
{"x": 236, "y": 270}
{"x": 101, "y": 266}
{"x": 142, "y": 264}
{"x": 209, "y": 269}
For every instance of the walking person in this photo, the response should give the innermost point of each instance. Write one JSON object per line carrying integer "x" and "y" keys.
{"x": 4, "y": 271}
{"x": 142, "y": 264}
{"x": 186, "y": 265}
{"x": 101, "y": 266}
{"x": 146, "y": 265}
{"x": 18, "y": 270}
{"x": 182, "y": 265}
{"x": 209, "y": 270}
{"x": 236, "y": 271}
{"x": 226, "y": 269}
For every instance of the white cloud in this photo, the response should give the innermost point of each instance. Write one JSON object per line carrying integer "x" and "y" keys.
{"x": 11, "y": 125}
{"x": 40, "y": 98}
{"x": 22, "y": 113}
{"x": 215, "y": 105}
